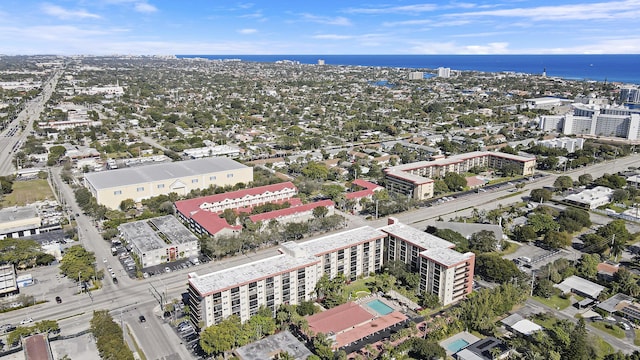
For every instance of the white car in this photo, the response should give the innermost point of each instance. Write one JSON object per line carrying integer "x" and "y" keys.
{"x": 167, "y": 269}
{"x": 26, "y": 321}
{"x": 104, "y": 260}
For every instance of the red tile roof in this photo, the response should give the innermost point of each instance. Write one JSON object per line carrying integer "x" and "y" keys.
{"x": 366, "y": 329}
{"x": 473, "y": 181}
{"x": 339, "y": 319}
{"x": 186, "y": 207}
{"x": 290, "y": 211}
{"x": 369, "y": 189}
{"x": 212, "y": 222}
{"x": 36, "y": 347}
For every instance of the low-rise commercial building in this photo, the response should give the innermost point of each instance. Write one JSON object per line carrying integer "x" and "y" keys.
{"x": 8, "y": 284}
{"x": 143, "y": 182}
{"x": 159, "y": 240}
{"x": 19, "y": 221}
{"x": 591, "y": 198}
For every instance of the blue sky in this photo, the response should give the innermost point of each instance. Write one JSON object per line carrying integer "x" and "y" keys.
{"x": 165, "y": 27}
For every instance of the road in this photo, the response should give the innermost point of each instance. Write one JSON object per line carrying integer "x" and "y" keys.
{"x": 131, "y": 298}
{"x": 618, "y": 344}
{"x": 11, "y": 139}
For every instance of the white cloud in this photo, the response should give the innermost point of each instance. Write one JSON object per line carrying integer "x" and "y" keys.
{"x": 62, "y": 13}
{"x": 603, "y": 10}
{"x": 333, "y": 37}
{"x": 247, "y": 31}
{"x": 433, "y": 48}
{"x": 410, "y": 9}
{"x": 144, "y": 7}
{"x": 407, "y": 23}
{"x": 339, "y": 20}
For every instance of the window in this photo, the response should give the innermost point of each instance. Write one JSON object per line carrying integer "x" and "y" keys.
{"x": 117, "y": 192}
{"x": 211, "y": 178}
{"x": 141, "y": 188}
{"x": 229, "y": 176}
{"x": 194, "y": 181}
{"x": 160, "y": 186}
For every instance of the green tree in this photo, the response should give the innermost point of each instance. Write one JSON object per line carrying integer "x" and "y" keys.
{"x": 540, "y": 195}
{"x": 315, "y": 170}
{"x": 127, "y": 204}
{"x": 524, "y": 233}
{"x": 425, "y": 349}
{"x": 320, "y": 212}
{"x": 440, "y": 187}
{"x": 78, "y": 263}
{"x": 221, "y": 338}
{"x": 588, "y": 265}
{"x": 578, "y": 346}
{"x": 494, "y": 268}
{"x": 620, "y": 195}
{"x": 483, "y": 241}
{"x": 455, "y": 181}
{"x": 585, "y": 179}
{"x": 563, "y": 182}
{"x": 541, "y": 223}
{"x": 55, "y": 153}
{"x": 461, "y": 242}
{"x": 557, "y": 239}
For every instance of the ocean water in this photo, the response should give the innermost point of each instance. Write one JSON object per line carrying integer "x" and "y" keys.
{"x": 612, "y": 68}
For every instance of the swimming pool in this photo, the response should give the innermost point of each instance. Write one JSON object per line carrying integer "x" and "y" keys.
{"x": 380, "y": 307}
{"x": 457, "y": 345}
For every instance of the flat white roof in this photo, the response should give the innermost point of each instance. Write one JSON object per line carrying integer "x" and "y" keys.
{"x": 159, "y": 172}
{"x": 18, "y": 213}
{"x": 242, "y": 274}
{"x": 340, "y": 240}
{"x": 579, "y": 284}
{"x": 445, "y": 256}
{"x": 144, "y": 234}
{"x": 590, "y": 195}
{"x": 417, "y": 237}
{"x": 526, "y": 327}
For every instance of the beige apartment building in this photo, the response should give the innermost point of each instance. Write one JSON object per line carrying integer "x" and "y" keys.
{"x": 287, "y": 278}
{"x": 443, "y": 271}
{"x": 291, "y": 276}
{"x": 143, "y": 182}
{"x": 416, "y": 179}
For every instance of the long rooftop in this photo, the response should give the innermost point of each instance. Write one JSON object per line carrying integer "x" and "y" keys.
{"x": 417, "y": 237}
{"x": 242, "y": 274}
{"x": 341, "y": 240}
{"x": 159, "y": 172}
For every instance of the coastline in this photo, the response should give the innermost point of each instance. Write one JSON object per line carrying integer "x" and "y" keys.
{"x": 610, "y": 68}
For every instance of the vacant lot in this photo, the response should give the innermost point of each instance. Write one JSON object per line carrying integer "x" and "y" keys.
{"x": 27, "y": 192}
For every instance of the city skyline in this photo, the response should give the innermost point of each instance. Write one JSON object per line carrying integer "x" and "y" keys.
{"x": 162, "y": 27}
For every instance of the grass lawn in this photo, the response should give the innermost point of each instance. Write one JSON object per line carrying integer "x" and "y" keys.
{"x": 547, "y": 323}
{"x": 636, "y": 341}
{"x": 27, "y": 192}
{"x": 555, "y": 302}
{"x": 604, "y": 348}
{"x": 613, "y": 331}
{"x": 513, "y": 247}
{"x": 358, "y": 288}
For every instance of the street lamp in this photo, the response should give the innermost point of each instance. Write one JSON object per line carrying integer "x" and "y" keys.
{"x": 80, "y": 281}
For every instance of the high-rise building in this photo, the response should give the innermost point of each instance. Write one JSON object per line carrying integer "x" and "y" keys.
{"x": 594, "y": 120}
{"x": 416, "y": 75}
{"x": 444, "y": 72}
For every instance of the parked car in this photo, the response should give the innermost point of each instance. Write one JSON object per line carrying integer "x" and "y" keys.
{"x": 26, "y": 321}
{"x": 58, "y": 299}
{"x": 142, "y": 318}
{"x": 167, "y": 269}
